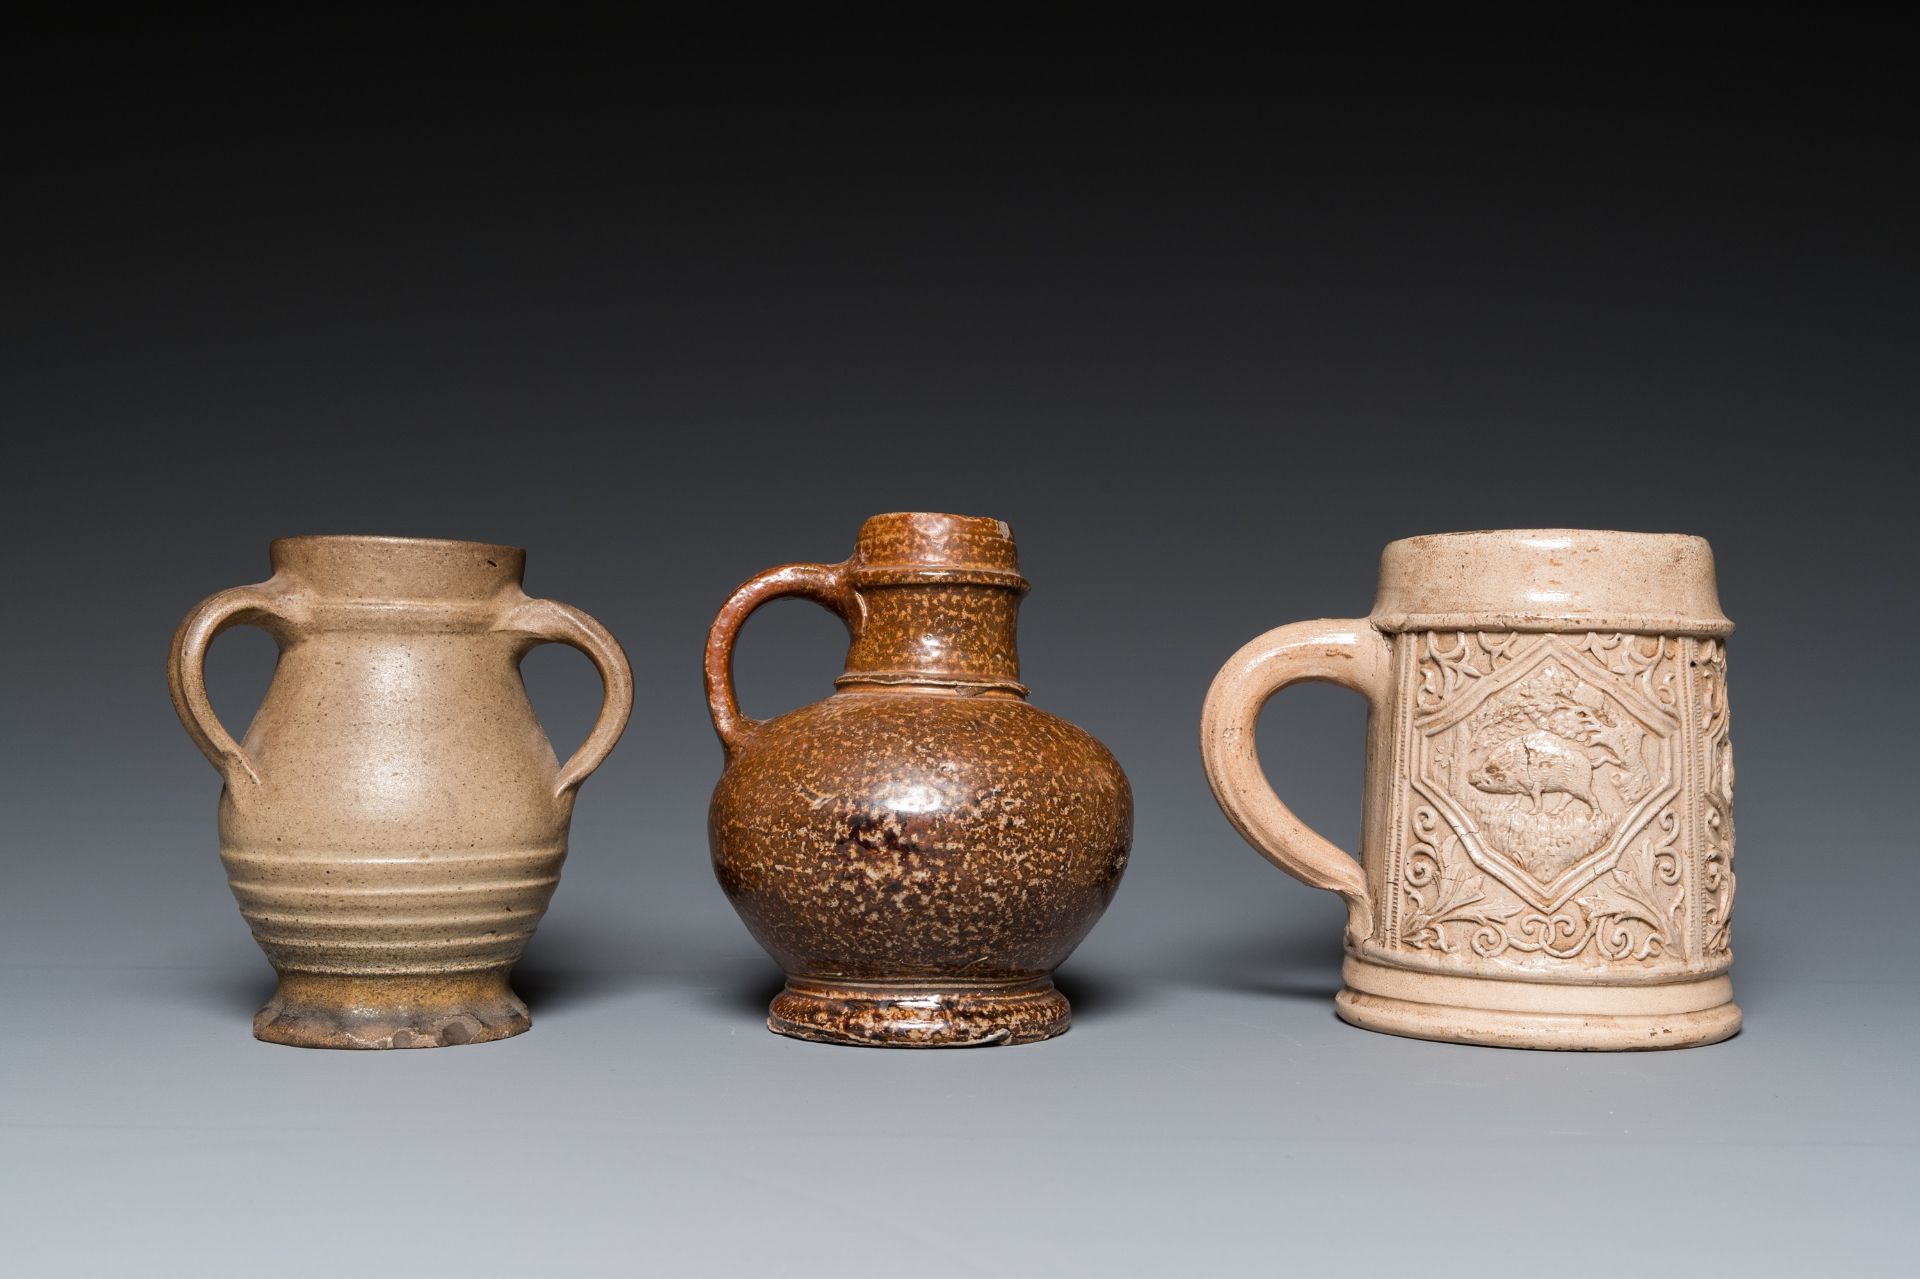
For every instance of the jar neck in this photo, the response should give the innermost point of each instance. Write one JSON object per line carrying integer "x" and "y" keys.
{"x": 400, "y": 572}
{"x": 937, "y": 631}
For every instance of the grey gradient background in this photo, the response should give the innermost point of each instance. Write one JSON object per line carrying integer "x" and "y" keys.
{"x": 1208, "y": 321}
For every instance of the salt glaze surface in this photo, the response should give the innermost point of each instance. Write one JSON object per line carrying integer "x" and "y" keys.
{"x": 920, "y": 850}
{"x": 1547, "y": 847}
{"x": 393, "y": 824}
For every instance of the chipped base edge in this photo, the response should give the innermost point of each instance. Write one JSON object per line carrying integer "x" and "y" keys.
{"x": 1504, "y": 1028}
{"x": 351, "y": 1011}
{"x": 903, "y": 1016}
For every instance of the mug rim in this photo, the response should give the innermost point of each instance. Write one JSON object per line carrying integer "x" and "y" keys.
{"x": 1546, "y": 534}
{"x": 1550, "y": 579}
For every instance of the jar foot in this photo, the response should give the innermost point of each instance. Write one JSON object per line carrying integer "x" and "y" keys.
{"x": 352, "y": 1010}
{"x": 919, "y": 1014}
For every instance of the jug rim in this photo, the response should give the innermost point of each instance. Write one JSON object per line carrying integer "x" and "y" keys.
{"x": 1005, "y": 529}
{"x": 926, "y": 546}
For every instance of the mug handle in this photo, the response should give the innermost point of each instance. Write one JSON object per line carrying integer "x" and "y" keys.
{"x": 827, "y": 585}
{"x": 1349, "y": 653}
{"x": 261, "y": 605}
{"x": 551, "y": 622}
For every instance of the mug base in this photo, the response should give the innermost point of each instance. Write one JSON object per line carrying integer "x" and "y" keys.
{"x": 371, "y": 1011}
{"x": 916, "y": 1015}
{"x": 1514, "y": 1014}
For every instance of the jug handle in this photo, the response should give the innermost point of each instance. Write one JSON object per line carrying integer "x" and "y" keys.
{"x": 550, "y": 621}
{"x": 827, "y": 585}
{"x": 260, "y": 605}
{"x": 1350, "y": 653}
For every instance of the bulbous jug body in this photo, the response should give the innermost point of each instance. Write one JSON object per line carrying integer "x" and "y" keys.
{"x": 922, "y": 849}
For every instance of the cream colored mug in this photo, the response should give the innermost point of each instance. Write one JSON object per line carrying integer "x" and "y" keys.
{"x": 1547, "y": 841}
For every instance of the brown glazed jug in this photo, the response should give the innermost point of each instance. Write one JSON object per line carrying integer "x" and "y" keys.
{"x": 920, "y": 850}
{"x": 394, "y": 822}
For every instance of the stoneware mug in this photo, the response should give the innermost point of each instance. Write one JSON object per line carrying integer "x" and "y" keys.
{"x": 394, "y": 823}
{"x": 1547, "y": 841}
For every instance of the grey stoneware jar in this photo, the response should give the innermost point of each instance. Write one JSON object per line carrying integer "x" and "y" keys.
{"x": 394, "y": 821}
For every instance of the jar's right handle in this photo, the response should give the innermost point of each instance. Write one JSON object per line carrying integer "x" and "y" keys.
{"x": 550, "y": 621}
{"x": 1350, "y": 653}
{"x": 828, "y": 585}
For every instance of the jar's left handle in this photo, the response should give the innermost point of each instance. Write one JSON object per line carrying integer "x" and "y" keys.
{"x": 262, "y": 605}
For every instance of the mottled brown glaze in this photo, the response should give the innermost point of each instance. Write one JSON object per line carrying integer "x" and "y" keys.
{"x": 394, "y": 823}
{"x": 920, "y": 850}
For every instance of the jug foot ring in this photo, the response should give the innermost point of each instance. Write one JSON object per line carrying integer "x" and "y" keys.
{"x": 354, "y": 1010}
{"x": 904, "y": 1015}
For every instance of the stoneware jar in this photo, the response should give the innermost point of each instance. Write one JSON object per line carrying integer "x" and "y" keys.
{"x": 394, "y": 822}
{"x": 920, "y": 850}
{"x": 1547, "y": 843}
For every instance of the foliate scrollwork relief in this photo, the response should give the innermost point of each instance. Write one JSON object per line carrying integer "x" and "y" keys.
{"x": 1439, "y": 892}
{"x": 1449, "y": 661}
{"x": 1716, "y": 862}
{"x": 1631, "y": 913}
{"x": 1652, "y": 662}
{"x": 1635, "y": 911}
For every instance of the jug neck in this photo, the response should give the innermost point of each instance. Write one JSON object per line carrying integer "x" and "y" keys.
{"x": 940, "y": 601}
